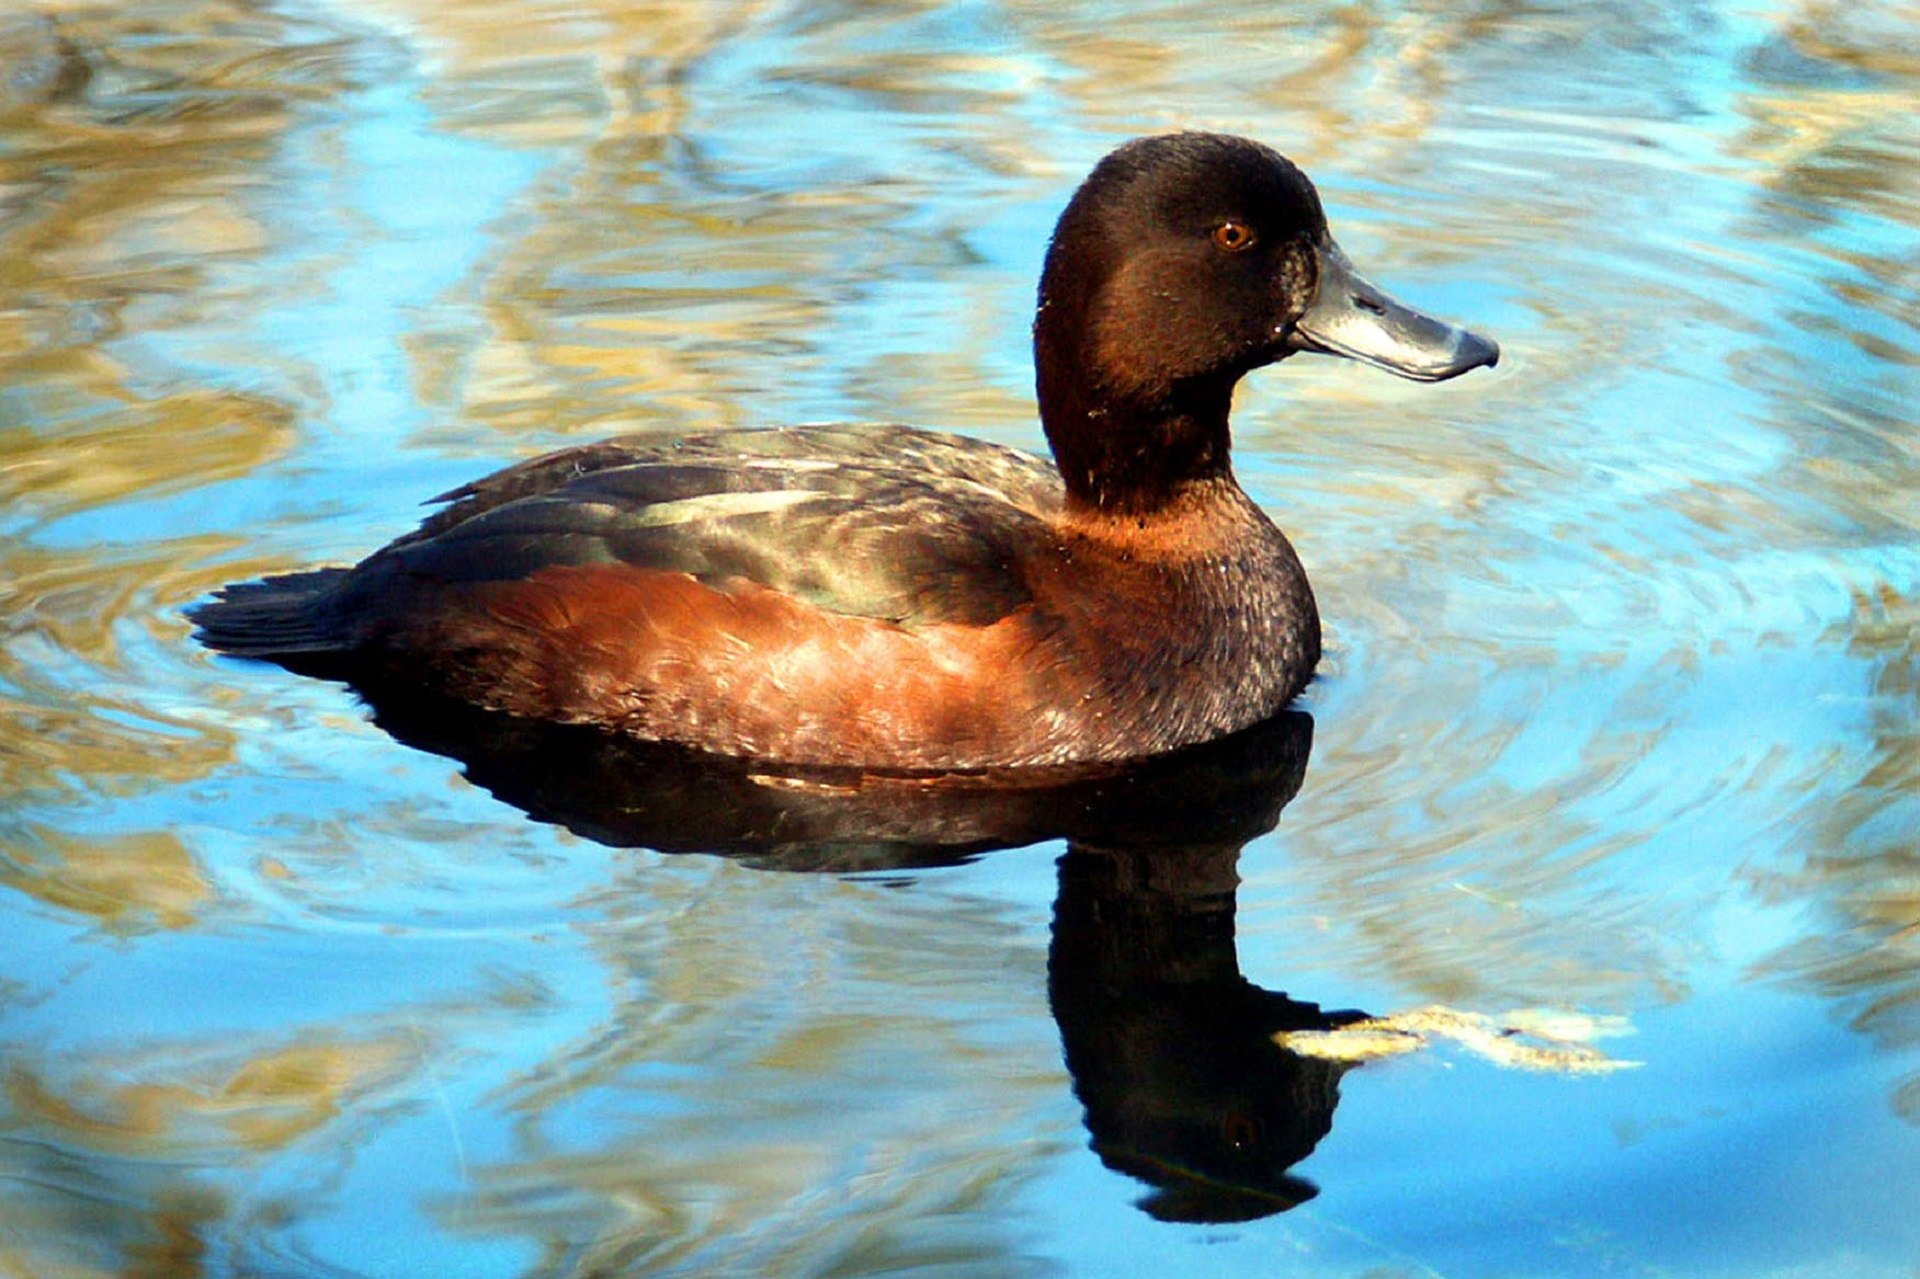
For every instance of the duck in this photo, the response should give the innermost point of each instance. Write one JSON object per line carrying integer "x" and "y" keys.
{"x": 893, "y": 598}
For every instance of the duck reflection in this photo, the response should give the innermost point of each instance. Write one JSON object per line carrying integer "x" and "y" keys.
{"x": 1171, "y": 1050}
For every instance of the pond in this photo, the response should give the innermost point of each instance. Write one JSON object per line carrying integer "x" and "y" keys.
{"x": 1617, "y": 739}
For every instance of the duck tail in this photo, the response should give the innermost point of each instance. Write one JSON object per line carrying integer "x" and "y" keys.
{"x": 276, "y": 617}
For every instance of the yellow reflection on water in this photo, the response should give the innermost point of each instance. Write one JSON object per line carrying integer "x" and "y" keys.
{"x": 65, "y": 617}
{"x": 254, "y": 1104}
{"x": 138, "y": 448}
{"x": 117, "y": 1183}
{"x": 682, "y": 256}
{"x": 1864, "y": 871}
{"x": 129, "y": 883}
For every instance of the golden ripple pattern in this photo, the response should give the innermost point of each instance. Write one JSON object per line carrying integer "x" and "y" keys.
{"x": 1622, "y": 634}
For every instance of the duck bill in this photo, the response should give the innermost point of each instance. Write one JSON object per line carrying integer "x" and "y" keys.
{"x": 1349, "y": 316}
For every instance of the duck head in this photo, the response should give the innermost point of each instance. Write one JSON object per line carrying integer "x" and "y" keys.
{"x": 1182, "y": 263}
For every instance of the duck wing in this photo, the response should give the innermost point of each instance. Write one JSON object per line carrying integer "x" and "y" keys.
{"x": 889, "y": 523}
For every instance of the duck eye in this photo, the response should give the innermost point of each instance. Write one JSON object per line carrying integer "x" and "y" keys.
{"x": 1233, "y": 236}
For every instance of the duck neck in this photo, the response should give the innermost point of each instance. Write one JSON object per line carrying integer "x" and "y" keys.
{"x": 1126, "y": 448}
{"x": 1133, "y": 455}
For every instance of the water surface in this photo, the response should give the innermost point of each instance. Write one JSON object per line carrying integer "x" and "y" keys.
{"x": 1621, "y": 714}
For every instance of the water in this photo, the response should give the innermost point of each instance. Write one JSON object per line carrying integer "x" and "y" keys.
{"x": 1621, "y": 714}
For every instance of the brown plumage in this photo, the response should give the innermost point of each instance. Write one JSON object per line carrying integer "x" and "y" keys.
{"x": 893, "y": 598}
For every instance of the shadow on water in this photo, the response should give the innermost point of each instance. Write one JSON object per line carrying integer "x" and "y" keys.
{"x": 1170, "y": 1048}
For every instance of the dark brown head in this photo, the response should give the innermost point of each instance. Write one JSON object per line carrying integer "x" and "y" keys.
{"x": 1182, "y": 263}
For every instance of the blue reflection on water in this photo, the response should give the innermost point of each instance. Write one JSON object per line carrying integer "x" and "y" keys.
{"x": 1614, "y": 717}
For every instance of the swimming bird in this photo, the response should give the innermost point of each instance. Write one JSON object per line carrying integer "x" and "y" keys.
{"x": 887, "y": 597}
